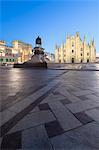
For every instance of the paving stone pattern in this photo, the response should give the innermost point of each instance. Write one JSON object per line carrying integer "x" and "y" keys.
{"x": 49, "y": 110}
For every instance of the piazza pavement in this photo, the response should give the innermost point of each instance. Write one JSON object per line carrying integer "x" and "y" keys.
{"x": 49, "y": 109}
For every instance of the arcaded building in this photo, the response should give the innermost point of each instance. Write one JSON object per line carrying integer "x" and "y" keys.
{"x": 75, "y": 50}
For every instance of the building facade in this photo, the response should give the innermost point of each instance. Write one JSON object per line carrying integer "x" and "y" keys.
{"x": 74, "y": 50}
{"x": 7, "y": 55}
{"x": 23, "y": 51}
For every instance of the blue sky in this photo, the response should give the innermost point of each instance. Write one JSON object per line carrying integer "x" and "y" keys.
{"x": 52, "y": 20}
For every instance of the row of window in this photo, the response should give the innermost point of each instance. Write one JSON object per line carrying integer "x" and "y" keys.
{"x": 9, "y": 54}
{"x": 72, "y": 52}
{"x": 7, "y": 60}
{"x": 81, "y": 53}
{"x": 73, "y": 61}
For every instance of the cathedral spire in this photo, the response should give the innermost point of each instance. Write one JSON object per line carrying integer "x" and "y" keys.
{"x": 56, "y": 46}
{"x": 91, "y": 41}
{"x": 84, "y": 37}
{"x": 77, "y": 34}
{"x": 67, "y": 37}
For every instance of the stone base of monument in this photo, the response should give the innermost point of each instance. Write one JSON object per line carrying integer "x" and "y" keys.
{"x": 37, "y": 61}
{"x": 31, "y": 65}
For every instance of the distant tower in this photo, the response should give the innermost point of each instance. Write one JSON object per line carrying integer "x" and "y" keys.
{"x": 84, "y": 38}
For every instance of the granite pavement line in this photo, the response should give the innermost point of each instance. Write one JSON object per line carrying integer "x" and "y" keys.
{"x": 14, "y": 120}
{"x": 17, "y": 98}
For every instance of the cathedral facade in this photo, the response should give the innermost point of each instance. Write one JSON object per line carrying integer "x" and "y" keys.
{"x": 74, "y": 50}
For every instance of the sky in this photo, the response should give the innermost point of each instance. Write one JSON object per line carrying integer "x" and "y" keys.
{"x": 52, "y": 20}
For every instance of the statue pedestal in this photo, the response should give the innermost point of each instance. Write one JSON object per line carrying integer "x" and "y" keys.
{"x": 31, "y": 65}
{"x": 37, "y": 60}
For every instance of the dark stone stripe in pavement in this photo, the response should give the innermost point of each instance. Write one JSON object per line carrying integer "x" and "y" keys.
{"x": 83, "y": 118}
{"x": 13, "y": 121}
{"x": 21, "y": 95}
{"x": 12, "y": 141}
{"x": 44, "y": 106}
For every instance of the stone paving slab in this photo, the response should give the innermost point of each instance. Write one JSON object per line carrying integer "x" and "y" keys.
{"x": 66, "y": 119}
{"x": 5, "y": 116}
{"x": 83, "y": 117}
{"x": 30, "y": 99}
{"x": 53, "y": 128}
{"x": 82, "y": 106}
{"x": 33, "y": 119}
{"x": 82, "y": 92}
{"x": 19, "y": 106}
{"x": 36, "y": 139}
{"x": 94, "y": 114}
{"x": 44, "y": 106}
{"x": 36, "y": 109}
{"x": 69, "y": 87}
{"x": 82, "y": 138}
{"x": 93, "y": 97}
{"x": 11, "y": 141}
{"x": 0, "y": 141}
{"x": 64, "y": 116}
{"x": 68, "y": 95}
{"x": 52, "y": 98}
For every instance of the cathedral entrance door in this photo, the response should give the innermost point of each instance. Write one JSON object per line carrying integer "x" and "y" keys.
{"x": 72, "y": 60}
{"x": 87, "y": 60}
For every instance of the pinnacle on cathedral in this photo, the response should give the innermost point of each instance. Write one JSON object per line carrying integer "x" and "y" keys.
{"x": 92, "y": 41}
{"x": 77, "y": 34}
{"x": 84, "y": 37}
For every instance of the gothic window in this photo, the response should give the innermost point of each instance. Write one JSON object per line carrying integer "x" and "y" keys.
{"x": 81, "y": 60}
{"x": 87, "y": 54}
{"x": 81, "y": 54}
{"x": 72, "y": 44}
